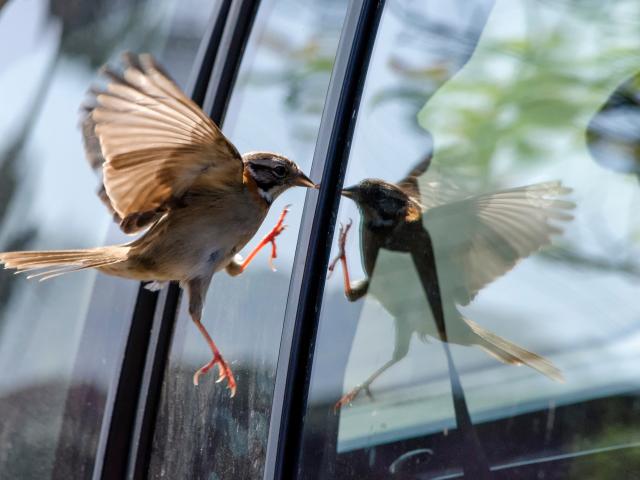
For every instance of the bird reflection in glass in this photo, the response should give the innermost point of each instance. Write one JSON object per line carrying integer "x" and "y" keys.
{"x": 457, "y": 245}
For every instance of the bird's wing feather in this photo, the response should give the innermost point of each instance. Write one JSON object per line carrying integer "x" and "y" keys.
{"x": 155, "y": 141}
{"x": 409, "y": 184}
{"x": 92, "y": 149}
{"x": 435, "y": 188}
{"x": 429, "y": 186}
{"x": 479, "y": 239}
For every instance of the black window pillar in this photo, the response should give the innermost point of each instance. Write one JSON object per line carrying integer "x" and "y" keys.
{"x": 314, "y": 239}
{"x": 211, "y": 89}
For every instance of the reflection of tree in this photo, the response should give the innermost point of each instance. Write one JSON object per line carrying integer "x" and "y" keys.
{"x": 518, "y": 92}
{"x": 611, "y": 430}
{"x": 30, "y": 439}
{"x": 430, "y": 50}
{"x": 613, "y": 135}
{"x": 526, "y": 97}
{"x": 304, "y": 66}
{"x": 219, "y": 436}
{"x": 94, "y": 29}
{"x": 214, "y": 433}
{"x": 551, "y": 85}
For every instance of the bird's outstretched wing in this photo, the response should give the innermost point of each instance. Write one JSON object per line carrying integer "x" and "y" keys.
{"x": 480, "y": 238}
{"x": 153, "y": 142}
{"x": 426, "y": 185}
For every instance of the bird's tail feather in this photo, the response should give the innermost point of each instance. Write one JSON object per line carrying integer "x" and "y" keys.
{"x": 509, "y": 352}
{"x": 49, "y": 264}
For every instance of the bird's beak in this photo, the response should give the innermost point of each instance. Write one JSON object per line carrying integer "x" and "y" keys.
{"x": 301, "y": 180}
{"x": 350, "y": 192}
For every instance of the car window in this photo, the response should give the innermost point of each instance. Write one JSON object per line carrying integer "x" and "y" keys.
{"x": 56, "y": 372}
{"x": 494, "y": 168}
{"x": 276, "y": 106}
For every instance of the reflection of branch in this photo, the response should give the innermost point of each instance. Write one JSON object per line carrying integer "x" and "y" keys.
{"x": 74, "y": 436}
{"x": 457, "y": 40}
{"x": 94, "y": 29}
{"x": 571, "y": 257}
{"x": 304, "y": 71}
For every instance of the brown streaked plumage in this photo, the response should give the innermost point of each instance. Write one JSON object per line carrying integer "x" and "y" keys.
{"x": 457, "y": 244}
{"x": 167, "y": 167}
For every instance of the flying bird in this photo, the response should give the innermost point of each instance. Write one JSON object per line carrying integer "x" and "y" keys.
{"x": 169, "y": 171}
{"x": 456, "y": 244}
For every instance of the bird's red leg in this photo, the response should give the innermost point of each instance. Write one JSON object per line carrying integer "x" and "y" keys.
{"x": 342, "y": 257}
{"x": 197, "y": 289}
{"x": 354, "y": 292}
{"x": 351, "y": 396}
{"x": 268, "y": 238}
{"x": 216, "y": 359}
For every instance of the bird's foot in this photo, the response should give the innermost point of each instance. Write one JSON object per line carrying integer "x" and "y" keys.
{"x": 351, "y": 396}
{"x": 271, "y": 236}
{"x": 225, "y": 372}
{"x": 268, "y": 238}
{"x": 342, "y": 240}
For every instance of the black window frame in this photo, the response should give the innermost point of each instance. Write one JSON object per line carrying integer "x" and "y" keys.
{"x": 315, "y": 236}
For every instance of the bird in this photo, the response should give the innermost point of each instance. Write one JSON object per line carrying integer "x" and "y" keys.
{"x": 456, "y": 244}
{"x": 169, "y": 173}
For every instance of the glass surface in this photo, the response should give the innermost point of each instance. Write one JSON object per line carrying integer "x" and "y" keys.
{"x": 50, "y": 367}
{"x": 504, "y": 95}
{"x": 276, "y": 106}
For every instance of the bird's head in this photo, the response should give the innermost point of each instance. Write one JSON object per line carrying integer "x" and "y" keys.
{"x": 381, "y": 203}
{"x": 274, "y": 174}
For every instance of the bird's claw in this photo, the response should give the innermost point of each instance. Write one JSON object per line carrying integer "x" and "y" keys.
{"x": 268, "y": 238}
{"x": 351, "y": 396}
{"x": 342, "y": 241}
{"x": 225, "y": 373}
{"x": 271, "y": 236}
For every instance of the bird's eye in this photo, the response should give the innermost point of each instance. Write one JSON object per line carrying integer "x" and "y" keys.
{"x": 280, "y": 171}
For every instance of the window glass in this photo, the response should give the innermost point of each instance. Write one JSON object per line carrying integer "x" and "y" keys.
{"x": 517, "y": 118}
{"x": 50, "y": 366}
{"x": 276, "y": 106}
